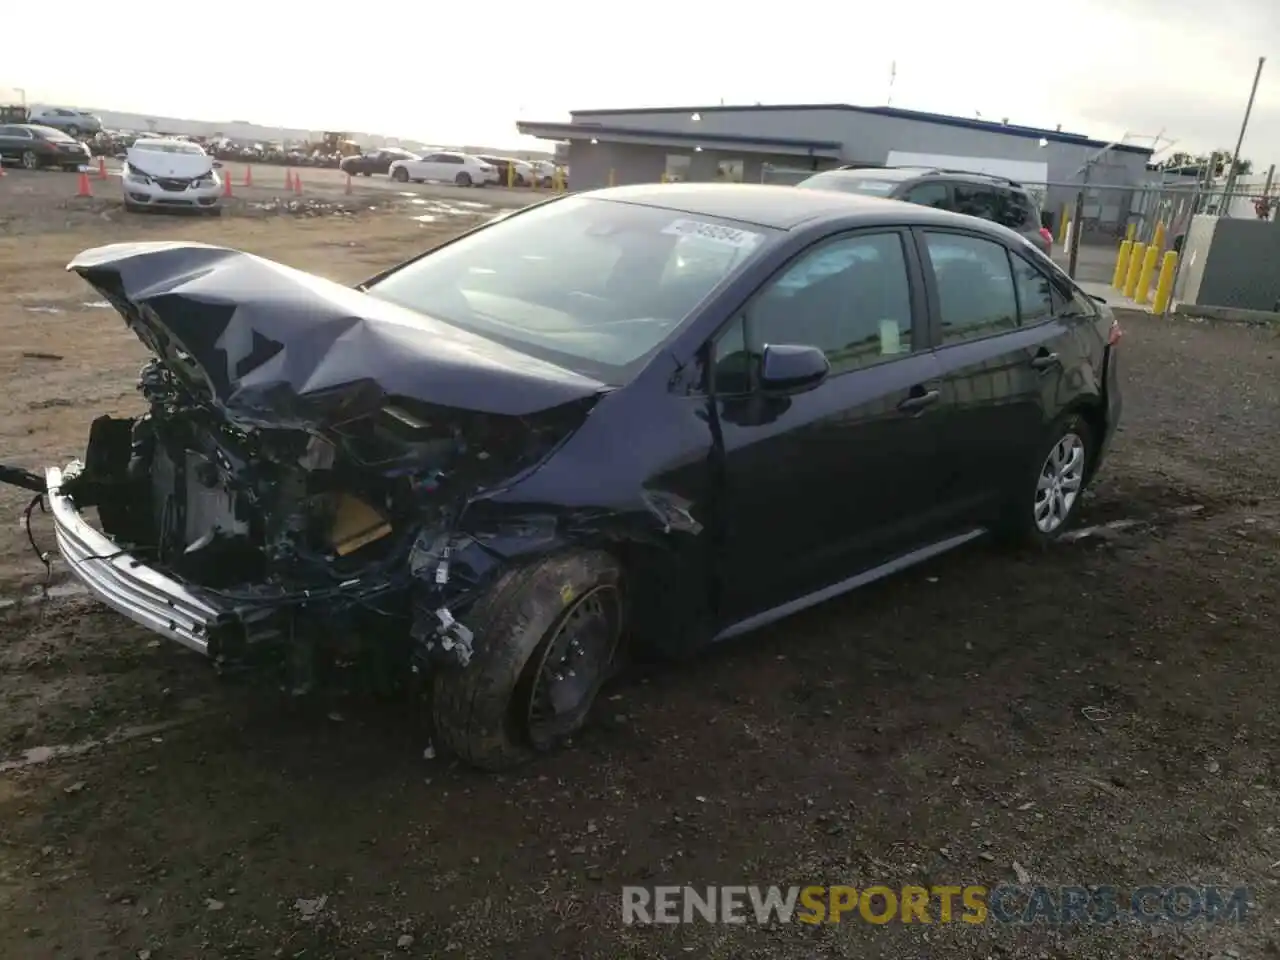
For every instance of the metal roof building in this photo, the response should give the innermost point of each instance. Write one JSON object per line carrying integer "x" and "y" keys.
{"x": 781, "y": 143}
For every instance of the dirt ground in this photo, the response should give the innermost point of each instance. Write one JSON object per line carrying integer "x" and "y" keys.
{"x": 1103, "y": 713}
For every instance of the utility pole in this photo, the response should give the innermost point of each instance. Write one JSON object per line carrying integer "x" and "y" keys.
{"x": 1244, "y": 125}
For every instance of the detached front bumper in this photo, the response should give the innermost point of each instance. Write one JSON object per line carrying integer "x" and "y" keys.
{"x": 145, "y": 596}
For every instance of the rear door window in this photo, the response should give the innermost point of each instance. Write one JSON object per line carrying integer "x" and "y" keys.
{"x": 934, "y": 194}
{"x": 975, "y": 286}
{"x": 1038, "y": 299}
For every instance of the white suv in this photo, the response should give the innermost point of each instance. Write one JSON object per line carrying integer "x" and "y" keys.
{"x": 448, "y": 167}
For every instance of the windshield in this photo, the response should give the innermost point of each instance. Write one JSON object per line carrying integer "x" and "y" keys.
{"x": 867, "y": 186}
{"x": 591, "y": 285}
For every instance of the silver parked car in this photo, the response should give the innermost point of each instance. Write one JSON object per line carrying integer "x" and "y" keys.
{"x": 78, "y": 123}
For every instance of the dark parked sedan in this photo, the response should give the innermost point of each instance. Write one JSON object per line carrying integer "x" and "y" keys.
{"x": 642, "y": 419}
{"x": 33, "y": 146}
{"x": 376, "y": 161}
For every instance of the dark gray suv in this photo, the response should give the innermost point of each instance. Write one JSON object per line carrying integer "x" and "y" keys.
{"x": 1001, "y": 200}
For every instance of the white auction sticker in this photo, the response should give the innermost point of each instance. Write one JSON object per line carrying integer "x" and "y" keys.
{"x": 729, "y": 236}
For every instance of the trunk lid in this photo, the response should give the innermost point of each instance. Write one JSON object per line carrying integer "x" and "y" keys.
{"x": 274, "y": 346}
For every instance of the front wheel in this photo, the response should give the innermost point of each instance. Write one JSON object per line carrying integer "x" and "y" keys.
{"x": 545, "y": 640}
{"x": 400, "y": 175}
{"x": 1047, "y": 498}
{"x": 29, "y": 160}
{"x": 463, "y": 179}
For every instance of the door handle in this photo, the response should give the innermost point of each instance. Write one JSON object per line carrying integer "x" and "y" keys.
{"x": 1043, "y": 361}
{"x": 918, "y": 401}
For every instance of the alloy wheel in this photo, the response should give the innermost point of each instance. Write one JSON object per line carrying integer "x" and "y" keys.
{"x": 1059, "y": 484}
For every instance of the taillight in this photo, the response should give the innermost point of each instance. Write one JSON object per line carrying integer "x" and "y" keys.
{"x": 1048, "y": 237}
{"x": 1115, "y": 333}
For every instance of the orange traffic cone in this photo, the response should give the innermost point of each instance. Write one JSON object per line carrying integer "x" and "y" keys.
{"x": 226, "y": 186}
{"x": 248, "y": 176}
{"x": 297, "y": 184}
{"x": 348, "y": 190}
{"x": 85, "y": 190}
{"x": 102, "y": 168}
{"x": 2, "y": 173}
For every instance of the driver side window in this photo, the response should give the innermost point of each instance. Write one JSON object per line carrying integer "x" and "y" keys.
{"x": 850, "y": 297}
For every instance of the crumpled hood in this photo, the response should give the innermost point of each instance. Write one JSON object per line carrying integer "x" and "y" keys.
{"x": 280, "y": 347}
{"x": 157, "y": 163}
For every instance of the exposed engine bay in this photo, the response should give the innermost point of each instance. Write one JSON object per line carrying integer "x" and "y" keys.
{"x": 321, "y": 528}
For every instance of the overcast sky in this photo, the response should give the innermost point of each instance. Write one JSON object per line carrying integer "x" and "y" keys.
{"x": 420, "y": 70}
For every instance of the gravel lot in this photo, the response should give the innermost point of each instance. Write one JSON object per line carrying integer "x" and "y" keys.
{"x": 1099, "y": 714}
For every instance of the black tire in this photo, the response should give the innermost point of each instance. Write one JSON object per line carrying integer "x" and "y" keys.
{"x": 30, "y": 160}
{"x": 73, "y": 131}
{"x": 463, "y": 179}
{"x": 484, "y": 713}
{"x": 366, "y": 173}
{"x": 400, "y": 175}
{"x": 1019, "y": 524}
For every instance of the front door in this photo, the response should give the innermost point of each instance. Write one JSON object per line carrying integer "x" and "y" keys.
{"x": 1004, "y": 341}
{"x": 825, "y": 483}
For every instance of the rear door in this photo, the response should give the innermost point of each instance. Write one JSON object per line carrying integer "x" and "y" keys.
{"x": 1004, "y": 340}
{"x": 829, "y": 482}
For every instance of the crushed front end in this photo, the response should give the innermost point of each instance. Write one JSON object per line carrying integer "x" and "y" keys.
{"x": 253, "y": 544}
{"x": 289, "y": 510}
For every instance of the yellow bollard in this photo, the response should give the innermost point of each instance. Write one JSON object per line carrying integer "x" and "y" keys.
{"x": 1157, "y": 240}
{"x": 511, "y": 175}
{"x": 1135, "y": 267}
{"x": 1164, "y": 286}
{"x": 1148, "y": 272}
{"x": 1122, "y": 265}
{"x": 663, "y": 178}
{"x": 557, "y": 181}
{"x": 1129, "y": 233}
{"x": 611, "y": 177}
{"x": 1062, "y": 224}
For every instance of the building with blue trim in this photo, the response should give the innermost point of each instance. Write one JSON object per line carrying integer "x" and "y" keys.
{"x": 781, "y": 142}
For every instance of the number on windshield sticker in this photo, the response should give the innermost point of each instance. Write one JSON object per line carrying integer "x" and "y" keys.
{"x": 729, "y": 236}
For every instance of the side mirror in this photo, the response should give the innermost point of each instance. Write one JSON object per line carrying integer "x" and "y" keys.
{"x": 792, "y": 368}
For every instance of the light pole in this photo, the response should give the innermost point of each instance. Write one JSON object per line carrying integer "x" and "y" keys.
{"x": 1244, "y": 125}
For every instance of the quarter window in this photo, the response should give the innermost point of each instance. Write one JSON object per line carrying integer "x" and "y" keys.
{"x": 850, "y": 297}
{"x": 975, "y": 286}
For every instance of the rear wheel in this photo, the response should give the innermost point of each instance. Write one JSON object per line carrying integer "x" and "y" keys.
{"x": 463, "y": 179}
{"x": 1047, "y": 497}
{"x": 400, "y": 175}
{"x": 546, "y": 637}
{"x": 29, "y": 160}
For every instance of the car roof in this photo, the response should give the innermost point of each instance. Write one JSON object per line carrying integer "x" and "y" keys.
{"x": 781, "y": 207}
{"x": 911, "y": 173}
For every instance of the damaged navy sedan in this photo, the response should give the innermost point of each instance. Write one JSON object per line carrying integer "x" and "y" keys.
{"x": 629, "y": 421}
